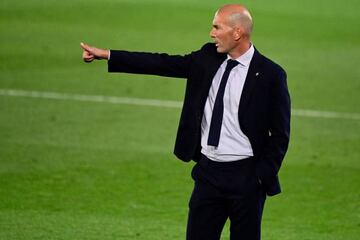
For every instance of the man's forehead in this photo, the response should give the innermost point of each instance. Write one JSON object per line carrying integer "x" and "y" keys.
{"x": 218, "y": 19}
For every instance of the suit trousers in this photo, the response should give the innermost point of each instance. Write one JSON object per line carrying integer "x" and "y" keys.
{"x": 224, "y": 191}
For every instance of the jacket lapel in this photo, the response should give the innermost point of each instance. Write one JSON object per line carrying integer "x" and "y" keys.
{"x": 250, "y": 81}
{"x": 213, "y": 67}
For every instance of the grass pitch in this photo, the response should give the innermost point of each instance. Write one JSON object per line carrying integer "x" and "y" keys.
{"x": 82, "y": 170}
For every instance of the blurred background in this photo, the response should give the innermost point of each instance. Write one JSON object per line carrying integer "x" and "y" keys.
{"x": 75, "y": 164}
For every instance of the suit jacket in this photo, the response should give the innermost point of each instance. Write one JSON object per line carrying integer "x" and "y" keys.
{"x": 264, "y": 108}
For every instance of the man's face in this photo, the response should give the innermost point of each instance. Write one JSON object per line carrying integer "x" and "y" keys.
{"x": 223, "y": 34}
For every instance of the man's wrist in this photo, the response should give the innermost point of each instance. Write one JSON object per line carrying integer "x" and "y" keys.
{"x": 109, "y": 54}
{"x": 102, "y": 54}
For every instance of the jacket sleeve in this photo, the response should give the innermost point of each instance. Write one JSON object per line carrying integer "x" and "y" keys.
{"x": 279, "y": 133}
{"x": 161, "y": 64}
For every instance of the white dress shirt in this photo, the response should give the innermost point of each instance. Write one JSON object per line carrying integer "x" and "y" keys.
{"x": 234, "y": 144}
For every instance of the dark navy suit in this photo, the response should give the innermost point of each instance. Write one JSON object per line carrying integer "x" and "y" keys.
{"x": 264, "y": 109}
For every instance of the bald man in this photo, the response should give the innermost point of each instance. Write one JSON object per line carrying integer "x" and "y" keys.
{"x": 235, "y": 123}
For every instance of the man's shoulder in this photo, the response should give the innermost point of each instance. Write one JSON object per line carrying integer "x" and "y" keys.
{"x": 270, "y": 64}
{"x": 209, "y": 52}
{"x": 209, "y": 47}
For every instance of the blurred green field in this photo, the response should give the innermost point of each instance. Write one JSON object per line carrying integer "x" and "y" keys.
{"x": 87, "y": 170}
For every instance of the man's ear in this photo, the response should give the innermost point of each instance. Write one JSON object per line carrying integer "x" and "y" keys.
{"x": 238, "y": 33}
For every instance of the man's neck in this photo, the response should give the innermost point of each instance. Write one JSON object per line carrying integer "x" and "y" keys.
{"x": 239, "y": 50}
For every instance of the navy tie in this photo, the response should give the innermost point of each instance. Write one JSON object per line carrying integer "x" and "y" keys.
{"x": 218, "y": 110}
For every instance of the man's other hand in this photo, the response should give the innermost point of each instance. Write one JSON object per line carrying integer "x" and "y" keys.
{"x": 91, "y": 53}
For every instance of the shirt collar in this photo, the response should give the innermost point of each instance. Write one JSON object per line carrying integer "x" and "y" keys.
{"x": 245, "y": 59}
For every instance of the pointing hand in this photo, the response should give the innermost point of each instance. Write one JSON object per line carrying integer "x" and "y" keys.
{"x": 91, "y": 53}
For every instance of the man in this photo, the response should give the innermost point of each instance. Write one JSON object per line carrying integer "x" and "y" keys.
{"x": 235, "y": 123}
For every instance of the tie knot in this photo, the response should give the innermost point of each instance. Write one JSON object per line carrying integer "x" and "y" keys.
{"x": 231, "y": 64}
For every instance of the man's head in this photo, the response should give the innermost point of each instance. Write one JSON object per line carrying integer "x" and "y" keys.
{"x": 231, "y": 30}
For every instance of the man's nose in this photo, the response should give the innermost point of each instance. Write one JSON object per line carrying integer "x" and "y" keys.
{"x": 212, "y": 34}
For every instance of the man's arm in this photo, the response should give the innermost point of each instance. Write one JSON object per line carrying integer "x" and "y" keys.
{"x": 279, "y": 130}
{"x": 140, "y": 62}
{"x": 160, "y": 64}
